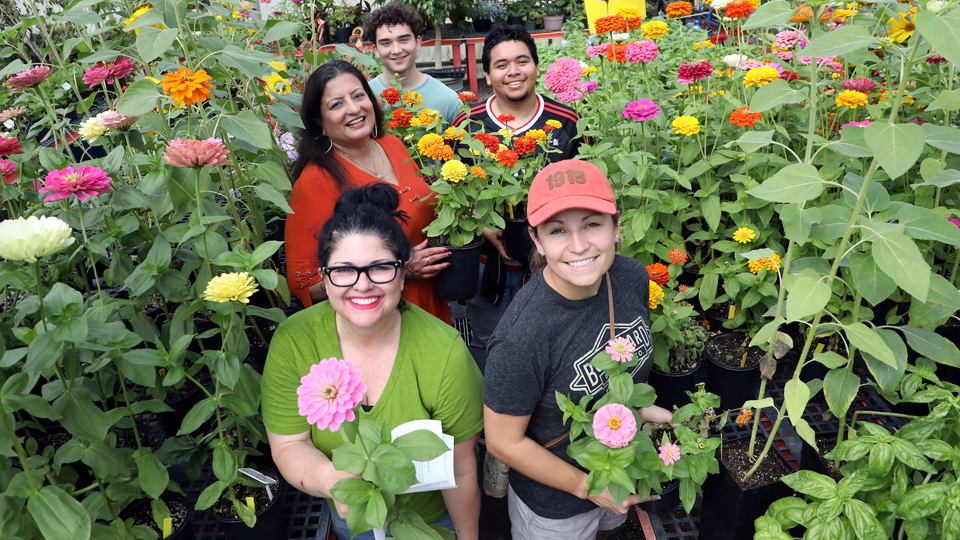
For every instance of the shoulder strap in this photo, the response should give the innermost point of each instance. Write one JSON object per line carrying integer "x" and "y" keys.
{"x": 613, "y": 332}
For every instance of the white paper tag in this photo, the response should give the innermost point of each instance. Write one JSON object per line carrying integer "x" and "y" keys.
{"x": 260, "y": 477}
{"x": 66, "y": 86}
{"x": 9, "y": 124}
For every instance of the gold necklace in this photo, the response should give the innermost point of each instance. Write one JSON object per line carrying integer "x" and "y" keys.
{"x": 372, "y": 173}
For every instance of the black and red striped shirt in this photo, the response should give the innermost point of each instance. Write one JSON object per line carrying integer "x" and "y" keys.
{"x": 565, "y": 138}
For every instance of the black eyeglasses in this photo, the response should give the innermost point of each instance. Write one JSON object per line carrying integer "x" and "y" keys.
{"x": 347, "y": 276}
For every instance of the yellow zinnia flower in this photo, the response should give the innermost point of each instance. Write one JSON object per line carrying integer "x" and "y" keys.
{"x": 744, "y": 235}
{"x": 453, "y": 171}
{"x": 702, "y": 44}
{"x": 428, "y": 116}
{"x": 656, "y": 294}
{"x": 852, "y": 99}
{"x": 478, "y": 172}
{"x": 654, "y": 29}
{"x": 412, "y": 98}
{"x": 507, "y": 134}
{"x": 902, "y": 28}
{"x": 136, "y": 15}
{"x": 554, "y": 124}
{"x": 232, "y": 286}
{"x": 276, "y": 84}
{"x": 454, "y": 133}
{"x": 538, "y": 135}
{"x": 686, "y": 125}
{"x": 760, "y": 76}
{"x": 92, "y": 129}
{"x": 588, "y": 70}
{"x": 772, "y": 263}
{"x": 428, "y": 142}
{"x": 415, "y": 122}
{"x": 628, "y": 11}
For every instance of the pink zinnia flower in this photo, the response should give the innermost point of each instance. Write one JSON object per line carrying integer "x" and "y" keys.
{"x": 570, "y": 95}
{"x": 788, "y": 39}
{"x": 648, "y": 51}
{"x": 194, "y": 153}
{"x": 597, "y": 50}
{"x": 620, "y": 349}
{"x": 562, "y": 75}
{"x": 329, "y": 393}
{"x": 10, "y": 114}
{"x": 28, "y": 78}
{"x": 862, "y": 84}
{"x": 108, "y": 71}
{"x": 954, "y": 221}
{"x": 670, "y": 453}
{"x": 633, "y": 52}
{"x": 85, "y": 182}
{"x": 614, "y": 425}
{"x": 693, "y": 72}
{"x": 8, "y": 170}
{"x": 641, "y": 110}
{"x": 115, "y": 120}
{"x": 10, "y": 146}
{"x": 587, "y": 87}
{"x": 862, "y": 124}
{"x": 788, "y": 55}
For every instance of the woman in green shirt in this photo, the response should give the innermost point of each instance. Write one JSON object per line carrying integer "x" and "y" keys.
{"x": 414, "y": 365}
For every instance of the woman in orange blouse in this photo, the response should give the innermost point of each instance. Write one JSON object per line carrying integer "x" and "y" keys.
{"x": 343, "y": 146}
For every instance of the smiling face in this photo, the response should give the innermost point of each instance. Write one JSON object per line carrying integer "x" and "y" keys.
{"x": 579, "y": 246}
{"x": 364, "y": 304}
{"x": 513, "y": 74}
{"x": 346, "y": 110}
{"x": 397, "y": 47}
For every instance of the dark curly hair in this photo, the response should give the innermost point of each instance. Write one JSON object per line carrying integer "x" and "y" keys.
{"x": 314, "y": 145}
{"x": 500, "y": 33}
{"x": 392, "y": 15}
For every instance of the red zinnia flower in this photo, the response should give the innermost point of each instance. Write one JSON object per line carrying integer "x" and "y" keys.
{"x": 507, "y": 157}
{"x": 634, "y": 22}
{"x": 678, "y": 256}
{"x": 8, "y": 170}
{"x": 466, "y": 96}
{"x": 936, "y": 59}
{"x": 10, "y": 146}
{"x": 525, "y": 145}
{"x": 506, "y": 119}
{"x": 491, "y": 142}
{"x": 789, "y": 76}
{"x": 718, "y": 38}
{"x": 391, "y": 96}
{"x": 402, "y": 117}
{"x": 742, "y": 117}
{"x": 691, "y": 72}
{"x": 684, "y": 289}
{"x": 659, "y": 274}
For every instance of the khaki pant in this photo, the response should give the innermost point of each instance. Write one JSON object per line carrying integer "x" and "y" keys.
{"x": 527, "y": 525}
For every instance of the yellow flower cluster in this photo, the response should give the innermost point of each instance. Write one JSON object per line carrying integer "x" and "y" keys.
{"x": 538, "y": 135}
{"x": 628, "y": 11}
{"x": 453, "y": 171}
{"x": 760, "y": 76}
{"x": 588, "y": 70}
{"x": 686, "y": 125}
{"x": 412, "y": 98}
{"x": 554, "y": 124}
{"x": 654, "y": 29}
{"x": 428, "y": 142}
{"x": 428, "y": 116}
{"x": 453, "y": 133}
{"x": 770, "y": 263}
{"x": 702, "y": 45}
{"x": 232, "y": 286}
{"x": 656, "y": 294}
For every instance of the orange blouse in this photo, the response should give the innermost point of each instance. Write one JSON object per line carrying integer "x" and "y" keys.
{"x": 314, "y": 195}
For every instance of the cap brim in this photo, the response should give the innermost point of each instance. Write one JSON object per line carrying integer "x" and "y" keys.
{"x": 556, "y": 206}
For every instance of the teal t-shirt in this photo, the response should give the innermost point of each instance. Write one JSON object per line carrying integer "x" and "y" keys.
{"x": 436, "y": 95}
{"x": 433, "y": 377}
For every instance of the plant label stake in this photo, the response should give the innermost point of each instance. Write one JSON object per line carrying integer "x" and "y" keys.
{"x": 167, "y": 527}
{"x": 733, "y": 311}
{"x": 743, "y": 361}
{"x": 260, "y": 477}
{"x": 251, "y": 506}
{"x": 819, "y": 348}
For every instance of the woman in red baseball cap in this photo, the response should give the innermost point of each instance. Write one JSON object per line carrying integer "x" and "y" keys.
{"x": 544, "y": 343}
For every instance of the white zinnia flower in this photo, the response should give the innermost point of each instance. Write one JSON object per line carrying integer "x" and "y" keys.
{"x": 92, "y": 129}
{"x": 734, "y": 60}
{"x": 621, "y": 36}
{"x": 31, "y": 238}
{"x": 719, "y": 4}
{"x": 936, "y": 6}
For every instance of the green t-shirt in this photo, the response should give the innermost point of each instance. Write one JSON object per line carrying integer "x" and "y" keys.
{"x": 433, "y": 377}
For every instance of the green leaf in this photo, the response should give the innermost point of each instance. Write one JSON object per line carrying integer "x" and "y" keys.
{"x": 44, "y": 351}
{"x": 907, "y": 452}
{"x": 139, "y": 98}
{"x": 774, "y": 13}
{"x": 81, "y": 417}
{"x": 199, "y": 414}
{"x": 420, "y": 445}
{"x": 376, "y": 508}
{"x": 224, "y": 463}
{"x": 792, "y": 184}
{"x": 840, "y": 41}
{"x": 246, "y": 126}
{"x": 895, "y": 146}
{"x": 390, "y": 469}
{"x": 942, "y": 138}
{"x": 851, "y": 144}
{"x": 947, "y": 100}
{"x": 810, "y": 483}
{"x": 271, "y": 194}
{"x": 922, "y": 501}
{"x": 899, "y": 257}
{"x": 352, "y": 491}
{"x": 281, "y": 30}
{"x": 350, "y": 458}
{"x": 840, "y": 386}
{"x": 943, "y": 293}
{"x": 888, "y": 377}
{"x": 152, "y": 43}
{"x": 152, "y": 474}
{"x": 863, "y": 519}
{"x": 870, "y": 281}
{"x": 643, "y": 396}
{"x": 809, "y": 294}
{"x": 210, "y": 495}
{"x": 59, "y": 515}
{"x": 932, "y": 345}
{"x": 751, "y": 141}
{"x": 773, "y": 94}
{"x": 867, "y": 340}
{"x": 796, "y": 394}
{"x": 942, "y": 31}
{"x": 881, "y": 459}
{"x": 102, "y": 55}
{"x": 621, "y": 387}
{"x": 797, "y": 221}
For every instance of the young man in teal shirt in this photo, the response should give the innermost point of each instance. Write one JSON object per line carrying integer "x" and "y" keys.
{"x": 395, "y": 32}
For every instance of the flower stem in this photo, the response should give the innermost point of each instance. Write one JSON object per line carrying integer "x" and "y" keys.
{"x": 93, "y": 266}
{"x": 196, "y": 185}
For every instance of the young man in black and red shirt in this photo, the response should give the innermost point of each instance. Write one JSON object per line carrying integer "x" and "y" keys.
{"x": 512, "y": 68}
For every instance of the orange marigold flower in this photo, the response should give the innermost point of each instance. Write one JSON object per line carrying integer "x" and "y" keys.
{"x": 478, "y": 172}
{"x": 507, "y": 157}
{"x": 393, "y": 124}
{"x": 658, "y": 274}
{"x": 617, "y": 52}
{"x": 742, "y": 117}
{"x": 678, "y": 256}
{"x": 744, "y": 417}
{"x": 739, "y": 10}
{"x": 525, "y": 145}
{"x": 391, "y": 96}
{"x": 613, "y": 23}
{"x": 679, "y": 9}
{"x": 186, "y": 86}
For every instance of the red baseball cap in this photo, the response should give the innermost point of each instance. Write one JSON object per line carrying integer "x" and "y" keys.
{"x": 567, "y": 184}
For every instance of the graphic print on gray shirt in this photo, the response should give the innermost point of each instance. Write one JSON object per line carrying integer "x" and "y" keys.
{"x": 544, "y": 344}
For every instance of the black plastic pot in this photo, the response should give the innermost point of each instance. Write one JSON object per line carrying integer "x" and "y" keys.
{"x": 515, "y": 19}
{"x": 516, "y": 238}
{"x": 170, "y": 421}
{"x": 672, "y": 387}
{"x": 482, "y": 26}
{"x": 668, "y": 501}
{"x": 810, "y": 458}
{"x": 530, "y": 25}
{"x": 461, "y": 280}
{"x": 945, "y": 372}
{"x": 728, "y": 511}
{"x": 271, "y": 523}
{"x": 734, "y": 385}
{"x": 184, "y": 530}
{"x": 343, "y": 34}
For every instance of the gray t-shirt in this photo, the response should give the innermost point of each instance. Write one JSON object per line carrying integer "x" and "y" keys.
{"x": 436, "y": 95}
{"x": 544, "y": 344}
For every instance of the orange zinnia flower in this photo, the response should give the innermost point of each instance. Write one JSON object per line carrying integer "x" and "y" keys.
{"x": 617, "y": 52}
{"x": 478, "y": 172}
{"x": 678, "y": 256}
{"x": 391, "y": 96}
{"x": 684, "y": 289}
{"x": 507, "y": 157}
{"x": 679, "y": 9}
{"x": 524, "y": 145}
{"x": 613, "y": 23}
{"x": 402, "y": 117}
{"x": 658, "y": 274}
{"x": 742, "y": 117}
{"x": 490, "y": 142}
{"x": 186, "y": 86}
{"x": 633, "y": 23}
{"x": 739, "y": 10}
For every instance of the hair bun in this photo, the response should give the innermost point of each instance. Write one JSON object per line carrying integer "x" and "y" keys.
{"x": 382, "y": 197}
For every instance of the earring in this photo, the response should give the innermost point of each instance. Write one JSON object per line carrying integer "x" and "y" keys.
{"x": 331, "y": 146}
{"x": 541, "y": 252}
{"x": 616, "y": 237}
{"x": 375, "y": 135}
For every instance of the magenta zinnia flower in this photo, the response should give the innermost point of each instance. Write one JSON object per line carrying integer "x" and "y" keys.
{"x": 115, "y": 120}
{"x": 329, "y": 393}
{"x": 951, "y": 220}
{"x": 587, "y": 87}
{"x": 641, "y": 110}
{"x": 620, "y": 349}
{"x": 614, "y": 425}
{"x": 85, "y": 182}
{"x": 570, "y": 95}
{"x": 862, "y": 124}
{"x": 10, "y": 146}
{"x": 670, "y": 453}
{"x": 194, "y": 153}
{"x": 108, "y": 71}
{"x": 693, "y": 72}
{"x": 863, "y": 85}
{"x": 597, "y": 50}
{"x": 562, "y": 75}
{"x": 8, "y": 170}
{"x": 28, "y": 78}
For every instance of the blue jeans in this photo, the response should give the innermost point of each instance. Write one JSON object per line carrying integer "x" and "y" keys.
{"x": 485, "y": 316}
{"x": 340, "y": 528}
